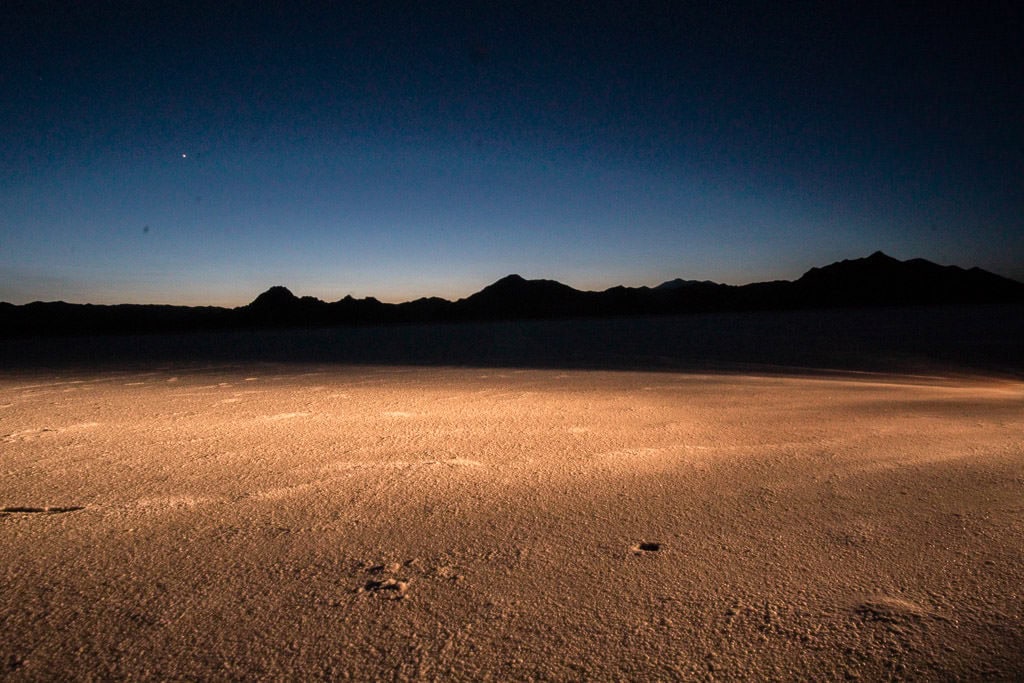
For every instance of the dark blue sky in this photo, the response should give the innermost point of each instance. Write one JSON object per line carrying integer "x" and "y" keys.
{"x": 199, "y": 153}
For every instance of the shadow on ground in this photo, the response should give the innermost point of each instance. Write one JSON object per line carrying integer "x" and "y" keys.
{"x": 918, "y": 340}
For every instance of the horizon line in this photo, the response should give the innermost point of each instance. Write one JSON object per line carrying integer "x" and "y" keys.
{"x": 876, "y": 253}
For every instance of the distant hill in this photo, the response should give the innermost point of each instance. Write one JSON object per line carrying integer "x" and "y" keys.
{"x": 881, "y": 280}
{"x": 877, "y": 280}
{"x": 513, "y": 297}
{"x": 679, "y": 283}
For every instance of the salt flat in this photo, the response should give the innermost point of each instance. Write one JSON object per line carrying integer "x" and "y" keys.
{"x": 271, "y": 520}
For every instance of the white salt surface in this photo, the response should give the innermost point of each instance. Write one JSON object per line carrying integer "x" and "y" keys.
{"x": 276, "y": 521}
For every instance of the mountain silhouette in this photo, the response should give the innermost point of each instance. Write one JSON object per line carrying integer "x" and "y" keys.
{"x": 513, "y": 297}
{"x": 278, "y": 307}
{"x": 275, "y": 298}
{"x": 680, "y": 283}
{"x": 882, "y": 280}
{"x": 876, "y": 280}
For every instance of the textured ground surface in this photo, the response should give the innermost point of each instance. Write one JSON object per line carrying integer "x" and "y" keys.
{"x": 321, "y": 521}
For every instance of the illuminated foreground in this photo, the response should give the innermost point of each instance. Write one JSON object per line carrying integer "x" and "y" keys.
{"x": 300, "y": 521}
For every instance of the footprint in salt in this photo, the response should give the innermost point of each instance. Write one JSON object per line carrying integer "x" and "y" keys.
{"x": 646, "y": 548}
{"x": 29, "y": 434}
{"x": 390, "y": 588}
{"x": 889, "y": 609}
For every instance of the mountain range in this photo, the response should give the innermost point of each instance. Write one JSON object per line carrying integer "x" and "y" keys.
{"x": 874, "y": 281}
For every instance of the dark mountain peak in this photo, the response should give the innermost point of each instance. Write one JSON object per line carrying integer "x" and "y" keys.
{"x": 873, "y": 265}
{"x": 516, "y": 285}
{"x": 278, "y": 307}
{"x": 680, "y": 283}
{"x": 878, "y": 258}
{"x": 619, "y": 289}
{"x": 516, "y": 297}
{"x": 349, "y": 300}
{"x": 882, "y": 280}
{"x": 275, "y": 297}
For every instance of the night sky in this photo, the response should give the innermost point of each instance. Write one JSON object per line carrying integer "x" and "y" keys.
{"x": 171, "y": 152}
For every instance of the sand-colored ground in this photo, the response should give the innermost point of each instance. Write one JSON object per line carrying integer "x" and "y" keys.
{"x": 283, "y": 521}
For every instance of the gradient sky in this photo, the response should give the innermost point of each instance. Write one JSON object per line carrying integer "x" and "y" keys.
{"x": 177, "y": 152}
